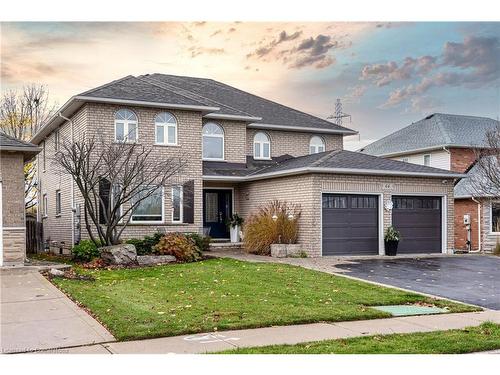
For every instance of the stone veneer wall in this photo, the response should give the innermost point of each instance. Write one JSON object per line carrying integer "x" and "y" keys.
{"x": 489, "y": 238}
{"x": 13, "y": 215}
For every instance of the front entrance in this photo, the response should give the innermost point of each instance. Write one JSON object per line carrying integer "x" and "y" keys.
{"x": 217, "y": 209}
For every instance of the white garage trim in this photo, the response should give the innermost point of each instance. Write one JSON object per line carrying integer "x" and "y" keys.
{"x": 381, "y": 249}
{"x": 444, "y": 215}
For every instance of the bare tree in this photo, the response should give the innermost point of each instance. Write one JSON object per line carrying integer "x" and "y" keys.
{"x": 22, "y": 113}
{"x": 486, "y": 182}
{"x": 113, "y": 179}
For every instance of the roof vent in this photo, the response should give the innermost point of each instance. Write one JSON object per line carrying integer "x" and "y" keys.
{"x": 430, "y": 116}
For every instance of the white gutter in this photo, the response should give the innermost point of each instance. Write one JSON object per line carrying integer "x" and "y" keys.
{"x": 231, "y": 117}
{"x": 444, "y": 147}
{"x": 478, "y": 225}
{"x": 147, "y": 104}
{"x": 296, "y": 171}
{"x": 300, "y": 129}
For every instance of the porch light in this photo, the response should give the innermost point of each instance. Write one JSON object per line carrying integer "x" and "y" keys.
{"x": 290, "y": 217}
{"x": 274, "y": 217}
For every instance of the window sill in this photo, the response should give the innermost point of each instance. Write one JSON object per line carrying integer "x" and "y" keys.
{"x": 209, "y": 159}
{"x": 58, "y": 215}
{"x": 166, "y": 145}
{"x": 261, "y": 158}
{"x": 45, "y": 216}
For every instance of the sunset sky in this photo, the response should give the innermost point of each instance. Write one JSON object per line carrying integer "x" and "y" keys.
{"x": 387, "y": 74}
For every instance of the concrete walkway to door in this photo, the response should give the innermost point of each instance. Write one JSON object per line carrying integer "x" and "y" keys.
{"x": 35, "y": 315}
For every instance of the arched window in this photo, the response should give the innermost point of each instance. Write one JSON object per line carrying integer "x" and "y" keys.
{"x": 165, "y": 129}
{"x": 213, "y": 141}
{"x": 125, "y": 126}
{"x": 316, "y": 144}
{"x": 261, "y": 146}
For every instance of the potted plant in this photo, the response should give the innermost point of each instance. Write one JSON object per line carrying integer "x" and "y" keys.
{"x": 391, "y": 240}
{"x": 235, "y": 222}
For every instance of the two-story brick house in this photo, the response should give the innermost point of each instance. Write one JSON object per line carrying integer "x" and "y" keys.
{"x": 449, "y": 142}
{"x": 243, "y": 151}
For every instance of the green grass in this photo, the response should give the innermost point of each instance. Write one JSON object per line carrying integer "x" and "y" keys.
{"x": 467, "y": 340}
{"x": 55, "y": 258}
{"x": 227, "y": 294}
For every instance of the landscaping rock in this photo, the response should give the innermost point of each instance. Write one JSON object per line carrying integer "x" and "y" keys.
{"x": 285, "y": 250}
{"x": 148, "y": 260}
{"x": 123, "y": 254}
{"x": 56, "y": 272}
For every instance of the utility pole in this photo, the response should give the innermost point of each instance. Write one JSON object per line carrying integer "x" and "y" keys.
{"x": 339, "y": 114}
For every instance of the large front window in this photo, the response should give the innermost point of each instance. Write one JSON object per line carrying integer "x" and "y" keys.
{"x": 125, "y": 126}
{"x": 150, "y": 209}
{"x": 213, "y": 142}
{"x": 261, "y": 146}
{"x": 166, "y": 129}
{"x": 495, "y": 217}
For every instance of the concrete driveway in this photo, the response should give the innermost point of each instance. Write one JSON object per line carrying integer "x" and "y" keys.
{"x": 473, "y": 279}
{"x": 35, "y": 315}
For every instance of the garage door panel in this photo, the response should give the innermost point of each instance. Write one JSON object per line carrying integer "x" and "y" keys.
{"x": 350, "y": 224}
{"x": 419, "y": 221}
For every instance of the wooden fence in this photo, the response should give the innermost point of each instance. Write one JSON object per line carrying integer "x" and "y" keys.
{"x": 34, "y": 235}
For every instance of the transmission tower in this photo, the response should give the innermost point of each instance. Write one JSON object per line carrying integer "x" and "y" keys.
{"x": 339, "y": 114}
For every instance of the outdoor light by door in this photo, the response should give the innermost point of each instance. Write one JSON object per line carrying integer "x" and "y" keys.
{"x": 388, "y": 205}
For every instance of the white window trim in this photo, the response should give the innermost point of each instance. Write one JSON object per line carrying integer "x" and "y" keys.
{"x": 430, "y": 160}
{"x": 132, "y": 221}
{"x": 58, "y": 192}
{"x": 181, "y": 208}
{"x": 45, "y": 203}
{"x": 56, "y": 140}
{"x": 316, "y": 146}
{"x": 125, "y": 127}
{"x": 492, "y": 232}
{"x": 261, "y": 146}
{"x": 214, "y": 136}
{"x": 165, "y": 126}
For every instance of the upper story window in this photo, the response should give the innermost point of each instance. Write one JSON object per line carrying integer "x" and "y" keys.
{"x": 495, "y": 217}
{"x": 261, "y": 146}
{"x": 165, "y": 129}
{"x": 316, "y": 145}
{"x": 125, "y": 126}
{"x": 427, "y": 160}
{"x": 213, "y": 142}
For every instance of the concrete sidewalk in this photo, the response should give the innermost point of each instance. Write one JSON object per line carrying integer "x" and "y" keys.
{"x": 212, "y": 342}
{"x": 35, "y": 315}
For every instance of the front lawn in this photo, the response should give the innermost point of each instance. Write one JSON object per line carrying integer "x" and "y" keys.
{"x": 227, "y": 294}
{"x": 467, "y": 340}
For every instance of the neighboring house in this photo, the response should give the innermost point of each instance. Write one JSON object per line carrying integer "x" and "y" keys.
{"x": 13, "y": 154}
{"x": 244, "y": 151}
{"x": 449, "y": 142}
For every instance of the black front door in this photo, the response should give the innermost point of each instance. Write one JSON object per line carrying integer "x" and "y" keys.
{"x": 217, "y": 208}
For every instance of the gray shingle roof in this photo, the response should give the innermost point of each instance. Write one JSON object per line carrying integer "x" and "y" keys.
{"x": 132, "y": 88}
{"x": 228, "y": 96}
{"x": 337, "y": 161}
{"x": 436, "y": 130}
{"x": 468, "y": 187}
{"x": 8, "y": 143}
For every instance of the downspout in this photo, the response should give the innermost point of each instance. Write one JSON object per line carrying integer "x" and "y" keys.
{"x": 73, "y": 209}
{"x": 449, "y": 153}
{"x": 478, "y": 226}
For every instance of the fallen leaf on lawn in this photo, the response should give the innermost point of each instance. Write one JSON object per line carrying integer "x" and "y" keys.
{"x": 161, "y": 312}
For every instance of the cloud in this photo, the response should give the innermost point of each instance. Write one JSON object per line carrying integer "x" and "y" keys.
{"x": 266, "y": 49}
{"x": 423, "y": 105}
{"x": 384, "y": 74}
{"x": 196, "y": 51}
{"x": 355, "y": 93}
{"x": 473, "y": 63}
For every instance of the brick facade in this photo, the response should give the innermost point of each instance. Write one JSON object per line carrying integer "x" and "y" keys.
{"x": 461, "y": 159}
{"x": 466, "y": 207}
{"x": 306, "y": 190}
{"x": 13, "y": 234}
{"x": 292, "y": 143}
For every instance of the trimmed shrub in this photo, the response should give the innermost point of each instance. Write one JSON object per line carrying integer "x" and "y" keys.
{"x": 145, "y": 246}
{"x": 85, "y": 251}
{"x": 275, "y": 222}
{"x": 202, "y": 242}
{"x": 180, "y": 246}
